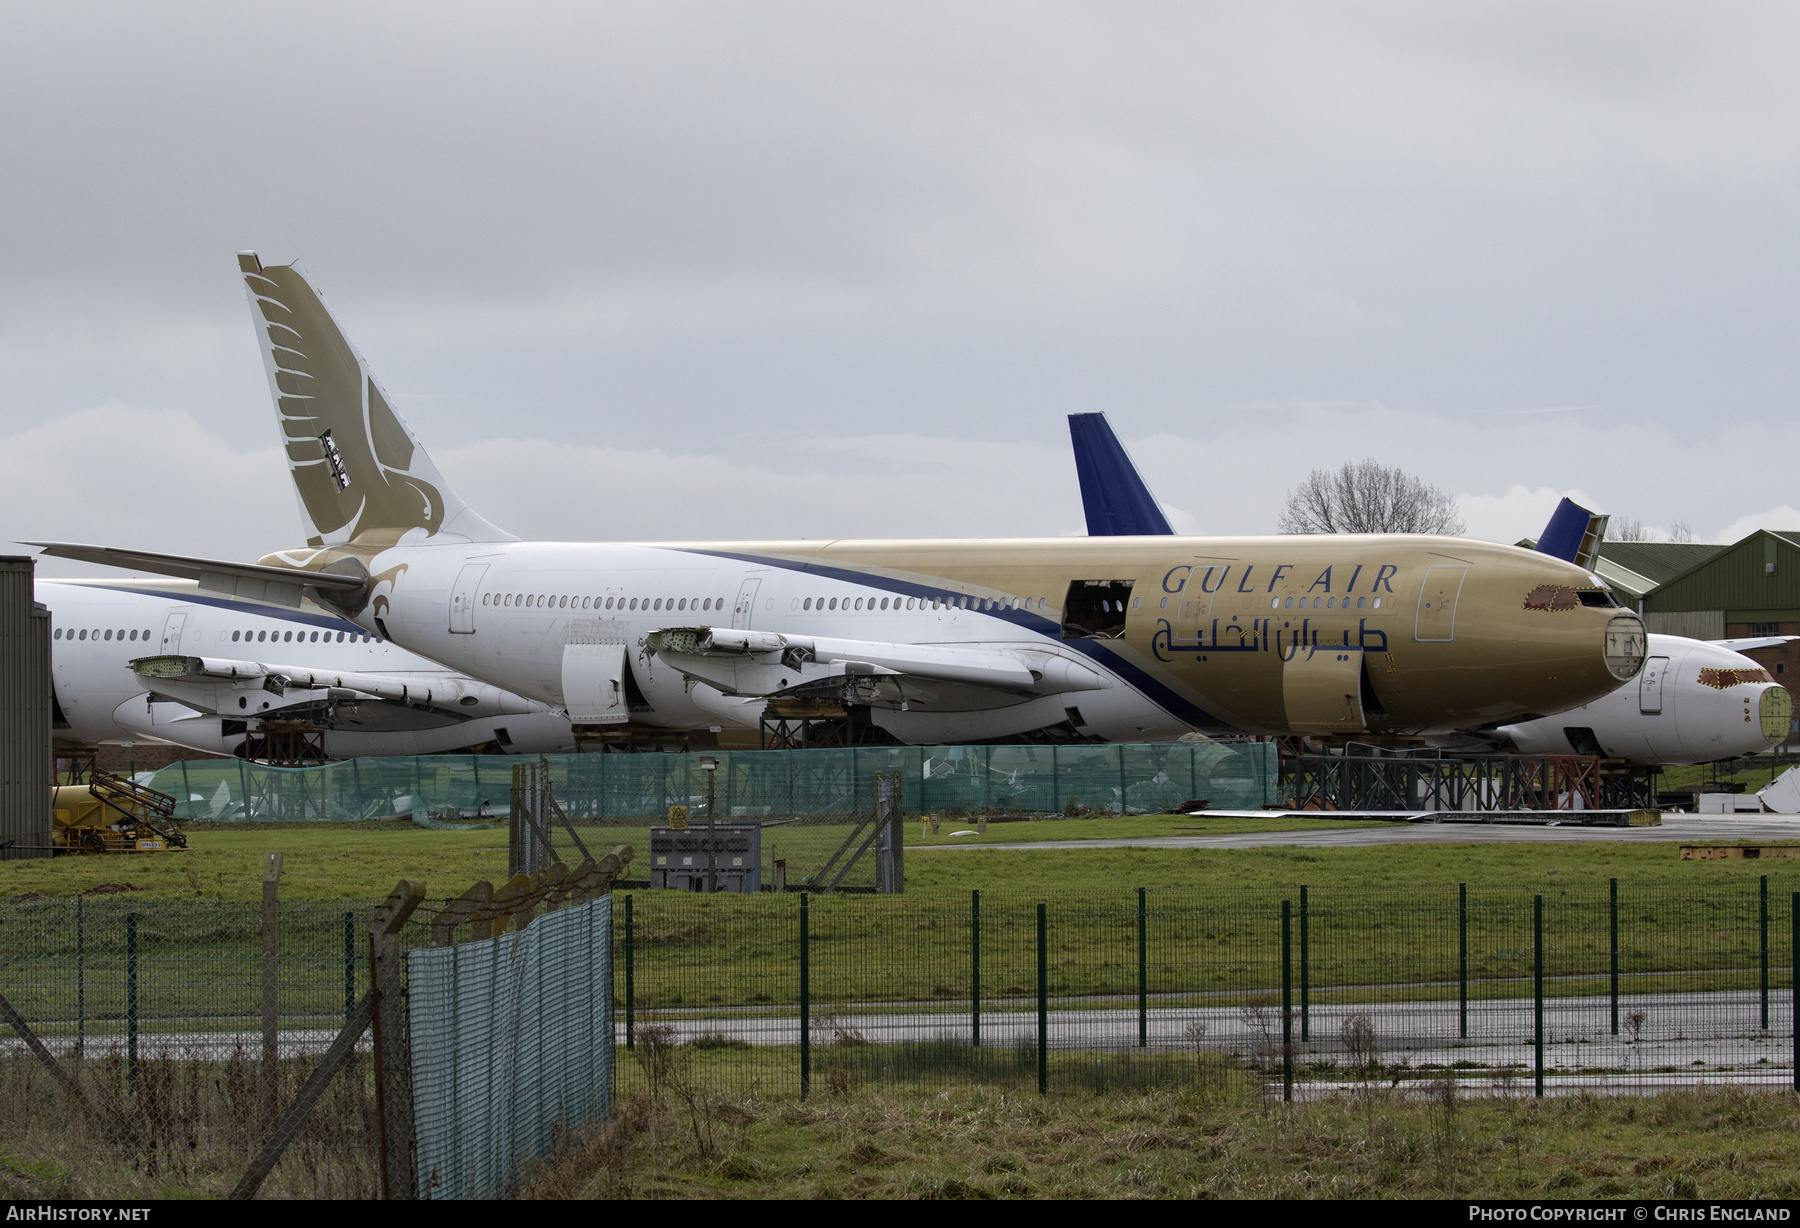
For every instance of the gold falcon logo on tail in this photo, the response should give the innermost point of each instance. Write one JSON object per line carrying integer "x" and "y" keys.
{"x": 360, "y": 474}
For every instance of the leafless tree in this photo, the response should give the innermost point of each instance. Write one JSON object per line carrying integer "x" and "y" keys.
{"x": 1368, "y": 497}
{"x": 1681, "y": 531}
{"x": 1626, "y": 529}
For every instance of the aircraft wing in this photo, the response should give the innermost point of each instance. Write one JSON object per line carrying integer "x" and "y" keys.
{"x": 767, "y": 663}
{"x": 251, "y": 581}
{"x": 1756, "y": 641}
{"x": 212, "y": 683}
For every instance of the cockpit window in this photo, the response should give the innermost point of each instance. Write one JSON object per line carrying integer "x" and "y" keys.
{"x": 1725, "y": 679}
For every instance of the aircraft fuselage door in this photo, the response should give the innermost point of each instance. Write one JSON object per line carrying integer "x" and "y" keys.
{"x": 1650, "y": 686}
{"x": 171, "y": 639}
{"x": 746, "y": 604}
{"x": 593, "y": 683}
{"x": 1435, "y": 622}
{"x": 462, "y": 598}
{"x": 1321, "y": 690}
{"x": 1193, "y": 614}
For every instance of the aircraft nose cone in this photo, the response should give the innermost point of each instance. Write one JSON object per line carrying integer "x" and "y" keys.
{"x": 1623, "y": 645}
{"x": 1776, "y": 708}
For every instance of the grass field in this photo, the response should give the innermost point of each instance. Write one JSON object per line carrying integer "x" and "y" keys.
{"x": 981, "y": 1143}
{"x": 364, "y": 860}
{"x": 673, "y": 1137}
{"x": 1759, "y": 775}
{"x": 1380, "y": 915}
{"x": 1384, "y": 916}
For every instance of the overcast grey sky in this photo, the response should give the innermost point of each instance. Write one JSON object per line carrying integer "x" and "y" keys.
{"x": 690, "y": 270}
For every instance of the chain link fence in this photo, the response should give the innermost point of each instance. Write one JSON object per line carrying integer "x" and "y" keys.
{"x": 1308, "y": 991}
{"x": 154, "y": 1009}
{"x": 176, "y": 1078}
{"x": 509, "y": 1044}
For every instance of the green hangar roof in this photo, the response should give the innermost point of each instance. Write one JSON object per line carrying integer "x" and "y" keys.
{"x": 1636, "y": 568}
{"x": 1755, "y": 580}
{"x": 1658, "y": 562}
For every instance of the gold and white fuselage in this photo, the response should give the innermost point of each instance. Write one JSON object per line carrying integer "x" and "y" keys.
{"x": 1124, "y": 638}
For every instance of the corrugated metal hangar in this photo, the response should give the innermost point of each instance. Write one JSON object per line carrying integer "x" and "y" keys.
{"x": 24, "y": 714}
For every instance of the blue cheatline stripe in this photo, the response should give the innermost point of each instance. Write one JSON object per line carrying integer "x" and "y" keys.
{"x": 1145, "y": 684}
{"x": 278, "y": 613}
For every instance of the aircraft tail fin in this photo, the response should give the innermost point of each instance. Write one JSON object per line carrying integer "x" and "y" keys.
{"x": 1116, "y": 501}
{"x": 1574, "y": 534}
{"x": 360, "y": 473}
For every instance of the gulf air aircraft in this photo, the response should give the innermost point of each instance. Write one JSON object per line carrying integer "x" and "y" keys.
{"x": 931, "y": 640}
{"x": 1693, "y": 702}
{"x": 163, "y": 662}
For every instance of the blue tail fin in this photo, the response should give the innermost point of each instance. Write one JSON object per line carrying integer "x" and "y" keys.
{"x": 1574, "y": 534}
{"x": 1116, "y": 501}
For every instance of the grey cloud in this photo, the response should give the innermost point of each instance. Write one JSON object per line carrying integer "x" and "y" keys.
{"x": 726, "y": 230}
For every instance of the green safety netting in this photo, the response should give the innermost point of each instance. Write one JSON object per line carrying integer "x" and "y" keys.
{"x": 1144, "y": 779}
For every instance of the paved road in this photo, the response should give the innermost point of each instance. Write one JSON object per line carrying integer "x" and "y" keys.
{"x": 1718, "y": 1029}
{"x": 1679, "y": 1038}
{"x": 1679, "y": 828}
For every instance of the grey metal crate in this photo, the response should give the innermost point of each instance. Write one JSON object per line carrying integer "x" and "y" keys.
{"x": 678, "y": 858}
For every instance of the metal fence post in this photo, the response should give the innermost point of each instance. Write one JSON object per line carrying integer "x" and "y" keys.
{"x": 630, "y": 978}
{"x": 131, "y": 1001}
{"x": 975, "y": 969}
{"x": 349, "y": 965}
{"x": 1143, "y": 973}
{"x": 1762, "y": 934}
{"x": 1794, "y": 981}
{"x": 1305, "y": 973}
{"x": 1287, "y": 1003}
{"x": 392, "y": 1047}
{"x": 80, "y": 978}
{"x": 805, "y": 1001}
{"x": 1043, "y": 979}
{"x": 271, "y": 985}
{"x": 1537, "y": 981}
{"x": 1613, "y": 929}
{"x": 1462, "y": 960}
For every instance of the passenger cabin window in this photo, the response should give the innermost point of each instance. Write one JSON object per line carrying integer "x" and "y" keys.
{"x": 1095, "y": 609}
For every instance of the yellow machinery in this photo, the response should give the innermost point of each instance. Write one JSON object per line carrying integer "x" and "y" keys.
{"x": 113, "y": 814}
